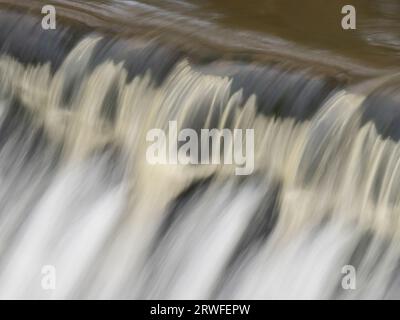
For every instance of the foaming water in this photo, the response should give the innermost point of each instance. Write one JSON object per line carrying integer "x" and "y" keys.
{"x": 78, "y": 194}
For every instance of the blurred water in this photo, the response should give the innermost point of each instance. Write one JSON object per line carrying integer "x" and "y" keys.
{"x": 78, "y": 194}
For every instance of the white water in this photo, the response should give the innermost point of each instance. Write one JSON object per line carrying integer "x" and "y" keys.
{"x": 96, "y": 214}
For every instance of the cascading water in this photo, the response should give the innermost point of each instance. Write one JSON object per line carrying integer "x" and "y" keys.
{"x": 77, "y": 192}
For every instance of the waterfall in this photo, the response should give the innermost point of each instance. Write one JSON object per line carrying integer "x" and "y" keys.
{"x": 77, "y": 193}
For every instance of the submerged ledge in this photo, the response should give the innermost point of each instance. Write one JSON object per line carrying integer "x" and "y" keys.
{"x": 200, "y": 40}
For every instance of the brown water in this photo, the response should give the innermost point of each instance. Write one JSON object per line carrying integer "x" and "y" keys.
{"x": 306, "y": 30}
{"x": 317, "y": 24}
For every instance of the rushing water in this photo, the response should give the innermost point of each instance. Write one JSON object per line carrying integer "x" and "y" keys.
{"x": 76, "y": 190}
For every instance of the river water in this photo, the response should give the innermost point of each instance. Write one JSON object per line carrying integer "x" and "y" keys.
{"x": 78, "y": 195}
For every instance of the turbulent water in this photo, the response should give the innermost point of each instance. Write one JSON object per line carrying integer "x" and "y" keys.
{"x": 77, "y": 193}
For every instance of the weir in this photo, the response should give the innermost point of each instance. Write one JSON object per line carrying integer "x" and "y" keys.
{"x": 77, "y": 193}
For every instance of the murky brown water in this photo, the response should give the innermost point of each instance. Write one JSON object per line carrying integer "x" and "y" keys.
{"x": 310, "y": 29}
{"x": 317, "y": 24}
